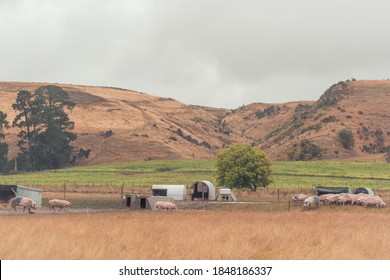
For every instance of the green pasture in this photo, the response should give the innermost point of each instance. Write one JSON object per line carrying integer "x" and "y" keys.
{"x": 147, "y": 173}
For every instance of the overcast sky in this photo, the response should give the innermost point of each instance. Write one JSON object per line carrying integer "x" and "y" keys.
{"x": 203, "y": 52}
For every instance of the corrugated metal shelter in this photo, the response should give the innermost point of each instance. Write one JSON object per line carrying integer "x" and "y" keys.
{"x": 226, "y": 194}
{"x": 320, "y": 190}
{"x": 135, "y": 201}
{"x": 177, "y": 192}
{"x": 7, "y": 192}
{"x": 202, "y": 190}
{"x": 364, "y": 190}
{"x": 34, "y": 194}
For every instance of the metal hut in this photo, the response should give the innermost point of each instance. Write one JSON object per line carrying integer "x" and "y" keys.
{"x": 139, "y": 202}
{"x": 364, "y": 190}
{"x": 177, "y": 192}
{"x": 7, "y": 192}
{"x": 202, "y": 190}
{"x": 320, "y": 190}
{"x": 34, "y": 194}
{"x": 226, "y": 194}
{"x": 10, "y": 191}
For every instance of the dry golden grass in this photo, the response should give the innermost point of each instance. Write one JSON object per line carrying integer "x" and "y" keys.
{"x": 325, "y": 234}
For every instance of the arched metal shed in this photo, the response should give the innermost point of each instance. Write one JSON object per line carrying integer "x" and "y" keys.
{"x": 364, "y": 190}
{"x": 177, "y": 192}
{"x": 320, "y": 190}
{"x": 202, "y": 190}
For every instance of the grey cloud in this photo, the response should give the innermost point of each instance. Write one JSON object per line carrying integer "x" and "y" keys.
{"x": 213, "y": 53}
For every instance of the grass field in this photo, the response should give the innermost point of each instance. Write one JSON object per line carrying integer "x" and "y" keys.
{"x": 146, "y": 173}
{"x": 323, "y": 234}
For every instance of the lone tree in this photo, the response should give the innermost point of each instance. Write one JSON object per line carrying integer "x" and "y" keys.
{"x": 3, "y": 145}
{"x": 45, "y": 128}
{"x": 243, "y": 166}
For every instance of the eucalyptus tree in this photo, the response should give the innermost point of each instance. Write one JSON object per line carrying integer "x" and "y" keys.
{"x": 45, "y": 134}
{"x": 3, "y": 145}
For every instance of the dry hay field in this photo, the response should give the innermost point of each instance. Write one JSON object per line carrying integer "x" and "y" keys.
{"x": 347, "y": 233}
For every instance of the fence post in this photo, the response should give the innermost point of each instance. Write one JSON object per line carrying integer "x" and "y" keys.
{"x": 123, "y": 184}
{"x": 278, "y": 195}
{"x": 289, "y": 204}
{"x": 64, "y": 189}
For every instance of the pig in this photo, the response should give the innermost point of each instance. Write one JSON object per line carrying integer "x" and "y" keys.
{"x": 374, "y": 201}
{"x": 23, "y": 201}
{"x": 165, "y": 205}
{"x": 62, "y": 204}
{"x": 310, "y": 202}
{"x": 325, "y": 198}
{"x": 296, "y": 198}
{"x": 344, "y": 198}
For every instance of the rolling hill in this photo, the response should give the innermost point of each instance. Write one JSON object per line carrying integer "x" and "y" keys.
{"x": 125, "y": 125}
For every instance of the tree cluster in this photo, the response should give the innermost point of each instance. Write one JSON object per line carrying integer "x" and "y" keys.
{"x": 45, "y": 136}
{"x": 3, "y": 146}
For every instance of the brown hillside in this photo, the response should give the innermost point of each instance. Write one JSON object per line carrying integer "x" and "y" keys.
{"x": 362, "y": 107}
{"x": 144, "y": 126}
{"x": 149, "y": 127}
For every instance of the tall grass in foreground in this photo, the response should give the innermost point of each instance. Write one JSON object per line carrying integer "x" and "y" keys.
{"x": 197, "y": 235}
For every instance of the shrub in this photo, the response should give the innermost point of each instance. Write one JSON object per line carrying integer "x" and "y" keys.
{"x": 346, "y": 138}
{"x": 328, "y": 119}
{"x": 309, "y": 151}
{"x": 291, "y": 155}
{"x": 342, "y": 110}
{"x": 316, "y": 127}
{"x": 387, "y": 154}
{"x": 107, "y": 133}
{"x": 269, "y": 111}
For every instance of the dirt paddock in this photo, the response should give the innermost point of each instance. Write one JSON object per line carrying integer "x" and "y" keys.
{"x": 262, "y": 200}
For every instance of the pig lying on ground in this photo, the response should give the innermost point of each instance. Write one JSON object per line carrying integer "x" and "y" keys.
{"x": 165, "y": 205}
{"x": 62, "y": 204}
{"x": 23, "y": 201}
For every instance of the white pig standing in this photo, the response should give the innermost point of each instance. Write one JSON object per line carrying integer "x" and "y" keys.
{"x": 62, "y": 204}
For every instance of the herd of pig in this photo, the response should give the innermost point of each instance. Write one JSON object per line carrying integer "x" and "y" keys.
{"x": 310, "y": 202}
{"x": 28, "y": 203}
